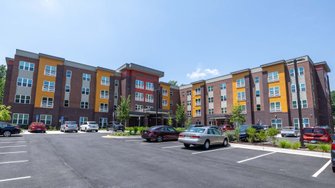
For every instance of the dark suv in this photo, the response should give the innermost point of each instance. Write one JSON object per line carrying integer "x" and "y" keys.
{"x": 7, "y": 129}
{"x": 115, "y": 126}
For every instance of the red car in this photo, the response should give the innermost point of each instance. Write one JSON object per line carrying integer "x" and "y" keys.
{"x": 226, "y": 127}
{"x": 160, "y": 133}
{"x": 317, "y": 134}
{"x": 37, "y": 127}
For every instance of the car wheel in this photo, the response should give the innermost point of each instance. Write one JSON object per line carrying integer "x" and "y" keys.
{"x": 225, "y": 142}
{"x": 282, "y": 135}
{"x": 148, "y": 139}
{"x": 159, "y": 139}
{"x": 334, "y": 169}
{"x": 206, "y": 145}
{"x": 7, "y": 134}
{"x": 85, "y": 129}
{"x": 96, "y": 131}
{"x": 187, "y": 145}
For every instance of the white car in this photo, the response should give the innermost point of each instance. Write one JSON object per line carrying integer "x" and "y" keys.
{"x": 69, "y": 126}
{"x": 290, "y": 131}
{"x": 89, "y": 126}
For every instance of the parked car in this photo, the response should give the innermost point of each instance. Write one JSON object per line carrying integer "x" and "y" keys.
{"x": 37, "y": 127}
{"x": 317, "y": 134}
{"x": 226, "y": 127}
{"x": 266, "y": 127}
{"x": 115, "y": 126}
{"x": 333, "y": 153}
{"x": 69, "y": 126}
{"x": 243, "y": 130}
{"x": 203, "y": 136}
{"x": 7, "y": 129}
{"x": 289, "y": 131}
{"x": 160, "y": 133}
{"x": 91, "y": 126}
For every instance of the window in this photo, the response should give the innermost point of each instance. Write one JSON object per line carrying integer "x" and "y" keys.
{"x": 258, "y": 107}
{"x": 224, "y": 98}
{"x": 223, "y": 86}
{"x": 47, "y": 102}
{"x": 275, "y": 107}
{"x": 293, "y": 88}
{"x": 23, "y": 99}
{"x": 198, "y": 91}
{"x": 46, "y": 119}
{"x": 50, "y": 70}
{"x": 294, "y": 104}
{"x": 171, "y": 93}
{"x": 103, "y": 107}
{"x": 244, "y": 109}
{"x": 164, "y": 92}
{"x": 138, "y": 108}
{"x": 84, "y": 105}
{"x": 139, "y": 84}
{"x": 188, "y": 113}
{"x": 86, "y": 77}
{"x": 197, "y": 102}
{"x": 277, "y": 123}
{"x": 188, "y": 93}
{"x": 85, "y": 91}
{"x": 210, "y": 111}
{"x": 20, "y": 119}
{"x": 274, "y": 91}
{"x": 302, "y": 87}
{"x": 66, "y": 103}
{"x": 223, "y": 110}
{"x": 139, "y": 96}
{"x": 116, "y": 83}
{"x": 210, "y": 99}
{"x": 103, "y": 122}
{"x": 48, "y": 86}
{"x": 304, "y": 103}
{"x": 258, "y": 93}
{"x": 82, "y": 120}
{"x": 273, "y": 76}
{"x": 26, "y": 66}
{"x": 68, "y": 74}
{"x": 240, "y": 83}
{"x": 301, "y": 71}
{"x": 198, "y": 112}
{"x": 292, "y": 72}
{"x": 305, "y": 122}
{"x": 164, "y": 102}
{"x": 149, "y": 98}
{"x": 149, "y": 107}
{"x": 24, "y": 82}
{"x": 189, "y": 103}
{"x": 296, "y": 123}
{"x": 256, "y": 80}
{"x": 104, "y": 94}
{"x": 210, "y": 88}
{"x": 149, "y": 86}
{"x": 67, "y": 88}
{"x": 241, "y": 96}
{"x": 105, "y": 80}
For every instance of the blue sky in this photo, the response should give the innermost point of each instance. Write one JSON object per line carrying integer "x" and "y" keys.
{"x": 188, "y": 40}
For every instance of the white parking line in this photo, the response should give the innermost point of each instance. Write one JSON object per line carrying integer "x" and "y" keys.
{"x": 12, "y": 152}
{"x": 167, "y": 147}
{"x": 321, "y": 169}
{"x": 12, "y": 146}
{"x": 13, "y": 179}
{"x": 11, "y": 162}
{"x": 11, "y": 142}
{"x": 200, "y": 152}
{"x": 259, "y": 156}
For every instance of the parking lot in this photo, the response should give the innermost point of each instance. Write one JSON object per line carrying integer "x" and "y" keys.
{"x": 88, "y": 160}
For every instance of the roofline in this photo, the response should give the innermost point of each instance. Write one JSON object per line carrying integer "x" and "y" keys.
{"x": 273, "y": 63}
{"x": 198, "y": 82}
{"x": 185, "y": 86}
{"x": 105, "y": 69}
{"x": 134, "y": 66}
{"x": 26, "y": 54}
{"x": 51, "y": 57}
{"x": 324, "y": 63}
{"x": 240, "y": 71}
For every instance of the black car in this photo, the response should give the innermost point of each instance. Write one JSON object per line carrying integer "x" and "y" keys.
{"x": 7, "y": 129}
{"x": 243, "y": 130}
{"x": 115, "y": 126}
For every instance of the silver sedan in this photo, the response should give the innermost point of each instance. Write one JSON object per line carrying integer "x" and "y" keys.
{"x": 204, "y": 136}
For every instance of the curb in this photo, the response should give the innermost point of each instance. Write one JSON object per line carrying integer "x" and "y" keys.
{"x": 280, "y": 150}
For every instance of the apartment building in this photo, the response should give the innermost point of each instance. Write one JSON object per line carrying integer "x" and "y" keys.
{"x": 267, "y": 95}
{"x": 50, "y": 89}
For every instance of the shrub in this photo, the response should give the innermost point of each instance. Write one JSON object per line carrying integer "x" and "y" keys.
{"x": 296, "y": 145}
{"x": 261, "y": 136}
{"x": 272, "y": 133}
{"x": 135, "y": 130}
{"x": 231, "y": 135}
{"x": 285, "y": 144}
{"x": 251, "y": 132}
{"x": 121, "y": 134}
{"x": 180, "y": 129}
{"x": 311, "y": 147}
{"x": 324, "y": 147}
{"x": 237, "y": 133}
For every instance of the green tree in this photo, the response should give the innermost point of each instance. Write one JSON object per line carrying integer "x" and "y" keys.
{"x": 5, "y": 113}
{"x": 272, "y": 133}
{"x": 173, "y": 82}
{"x": 123, "y": 109}
{"x": 237, "y": 117}
{"x": 188, "y": 122}
{"x": 170, "y": 121}
{"x": 180, "y": 115}
{"x": 3, "y": 70}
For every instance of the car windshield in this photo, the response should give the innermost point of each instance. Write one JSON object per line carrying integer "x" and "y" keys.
{"x": 244, "y": 127}
{"x": 91, "y": 122}
{"x": 308, "y": 130}
{"x": 319, "y": 131}
{"x": 70, "y": 122}
{"x": 154, "y": 128}
{"x": 196, "y": 130}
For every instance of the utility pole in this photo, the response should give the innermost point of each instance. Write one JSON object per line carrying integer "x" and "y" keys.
{"x": 157, "y": 104}
{"x": 299, "y": 103}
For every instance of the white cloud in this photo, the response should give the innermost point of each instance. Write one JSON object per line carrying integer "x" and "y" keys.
{"x": 202, "y": 73}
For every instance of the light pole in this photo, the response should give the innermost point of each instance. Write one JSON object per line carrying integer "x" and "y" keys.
{"x": 157, "y": 104}
{"x": 299, "y": 103}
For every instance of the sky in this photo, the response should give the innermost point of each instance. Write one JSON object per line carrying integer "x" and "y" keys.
{"x": 187, "y": 39}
